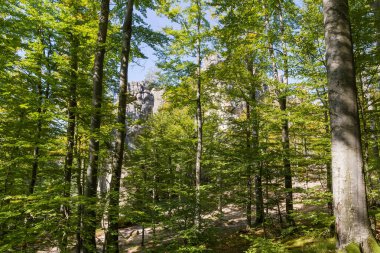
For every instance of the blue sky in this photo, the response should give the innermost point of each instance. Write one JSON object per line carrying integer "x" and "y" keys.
{"x": 137, "y": 71}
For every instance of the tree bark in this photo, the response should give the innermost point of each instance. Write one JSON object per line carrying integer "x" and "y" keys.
{"x": 198, "y": 160}
{"x": 89, "y": 221}
{"x": 112, "y": 235}
{"x": 349, "y": 192}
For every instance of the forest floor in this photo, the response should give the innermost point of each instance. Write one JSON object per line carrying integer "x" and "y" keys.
{"x": 224, "y": 237}
{"x": 228, "y": 233}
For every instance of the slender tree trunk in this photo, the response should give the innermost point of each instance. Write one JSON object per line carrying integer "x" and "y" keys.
{"x": 170, "y": 189}
{"x": 259, "y": 196}
{"x": 286, "y": 162}
{"x": 248, "y": 205}
{"x": 259, "y": 199}
{"x": 142, "y": 236}
{"x": 328, "y": 166}
{"x": 43, "y": 94}
{"x": 113, "y": 211}
{"x": 285, "y": 140}
{"x": 199, "y": 125}
{"x": 79, "y": 179}
{"x": 89, "y": 224}
{"x": 219, "y": 182}
{"x": 285, "y": 133}
{"x": 374, "y": 123}
{"x": 376, "y": 6}
{"x": 375, "y": 148}
{"x": 364, "y": 106}
{"x": 72, "y": 107}
{"x": 349, "y": 192}
{"x": 36, "y": 150}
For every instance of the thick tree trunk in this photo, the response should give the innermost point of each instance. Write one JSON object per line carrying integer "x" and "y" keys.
{"x": 199, "y": 125}
{"x": 112, "y": 242}
{"x": 89, "y": 219}
{"x": 349, "y": 192}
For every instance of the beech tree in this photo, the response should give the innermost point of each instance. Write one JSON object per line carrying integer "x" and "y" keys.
{"x": 112, "y": 237}
{"x": 89, "y": 225}
{"x": 349, "y": 192}
{"x": 194, "y": 27}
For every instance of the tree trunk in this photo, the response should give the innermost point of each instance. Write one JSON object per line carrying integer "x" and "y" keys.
{"x": 285, "y": 133}
{"x": 349, "y": 192}
{"x": 36, "y": 150}
{"x": 255, "y": 148}
{"x": 376, "y": 6}
{"x": 374, "y": 136}
{"x": 89, "y": 224}
{"x": 72, "y": 107}
{"x": 375, "y": 148}
{"x": 328, "y": 167}
{"x": 259, "y": 196}
{"x": 199, "y": 125}
{"x": 79, "y": 179}
{"x": 248, "y": 204}
{"x": 286, "y": 162}
{"x": 113, "y": 211}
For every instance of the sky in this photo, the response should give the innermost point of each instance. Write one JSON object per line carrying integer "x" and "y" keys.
{"x": 138, "y": 71}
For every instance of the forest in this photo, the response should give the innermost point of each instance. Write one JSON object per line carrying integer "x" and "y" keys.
{"x": 257, "y": 131}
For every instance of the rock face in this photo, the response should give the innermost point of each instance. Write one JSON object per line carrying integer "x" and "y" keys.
{"x": 146, "y": 101}
{"x": 143, "y": 104}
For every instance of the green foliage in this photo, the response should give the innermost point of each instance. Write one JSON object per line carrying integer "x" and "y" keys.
{"x": 193, "y": 249}
{"x": 312, "y": 245}
{"x": 352, "y": 248}
{"x": 240, "y": 44}
{"x": 261, "y": 245}
{"x": 373, "y": 244}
